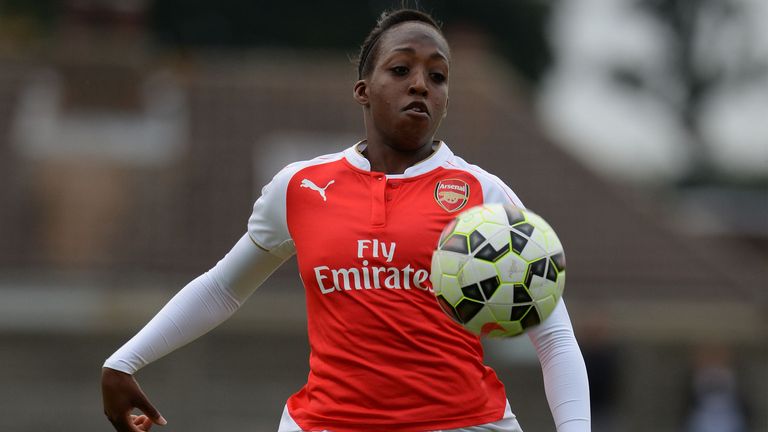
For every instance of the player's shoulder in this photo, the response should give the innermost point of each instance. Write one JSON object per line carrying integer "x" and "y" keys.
{"x": 277, "y": 188}
{"x": 494, "y": 189}
{"x": 268, "y": 225}
{"x": 458, "y": 163}
{"x": 293, "y": 168}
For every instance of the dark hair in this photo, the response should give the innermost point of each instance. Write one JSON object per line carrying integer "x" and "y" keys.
{"x": 386, "y": 21}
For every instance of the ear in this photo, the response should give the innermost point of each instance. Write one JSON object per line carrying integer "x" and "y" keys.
{"x": 360, "y": 92}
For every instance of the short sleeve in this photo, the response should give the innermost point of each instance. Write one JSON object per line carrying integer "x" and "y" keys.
{"x": 268, "y": 226}
{"x": 495, "y": 190}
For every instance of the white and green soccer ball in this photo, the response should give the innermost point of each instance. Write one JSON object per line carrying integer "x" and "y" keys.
{"x": 498, "y": 270}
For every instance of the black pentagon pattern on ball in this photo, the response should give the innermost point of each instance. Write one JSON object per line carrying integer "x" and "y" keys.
{"x": 447, "y": 308}
{"x": 531, "y": 319}
{"x": 483, "y": 290}
{"x": 467, "y": 309}
{"x": 521, "y": 295}
{"x": 518, "y": 312}
{"x": 551, "y": 273}
{"x": 514, "y": 215}
{"x": 518, "y": 242}
{"x": 456, "y": 243}
{"x": 489, "y": 253}
{"x": 473, "y": 292}
{"x": 489, "y": 286}
{"x": 538, "y": 268}
{"x": 524, "y": 228}
{"x": 559, "y": 260}
{"x": 475, "y": 240}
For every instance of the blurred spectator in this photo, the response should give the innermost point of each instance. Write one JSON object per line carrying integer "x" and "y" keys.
{"x": 602, "y": 360}
{"x": 716, "y": 404}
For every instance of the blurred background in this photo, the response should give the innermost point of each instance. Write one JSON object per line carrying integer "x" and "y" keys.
{"x": 136, "y": 134}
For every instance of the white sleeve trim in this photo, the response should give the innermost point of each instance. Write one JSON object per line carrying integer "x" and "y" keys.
{"x": 565, "y": 375}
{"x": 199, "y": 307}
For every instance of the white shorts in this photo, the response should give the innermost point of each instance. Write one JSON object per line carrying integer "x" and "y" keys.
{"x": 508, "y": 423}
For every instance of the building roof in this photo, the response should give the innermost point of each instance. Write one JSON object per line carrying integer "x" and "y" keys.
{"x": 627, "y": 265}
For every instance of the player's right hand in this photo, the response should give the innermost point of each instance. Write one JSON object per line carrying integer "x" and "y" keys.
{"x": 121, "y": 394}
{"x": 142, "y": 422}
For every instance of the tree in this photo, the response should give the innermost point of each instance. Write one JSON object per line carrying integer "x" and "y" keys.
{"x": 710, "y": 49}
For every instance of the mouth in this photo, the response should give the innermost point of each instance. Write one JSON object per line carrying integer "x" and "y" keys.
{"x": 419, "y": 108}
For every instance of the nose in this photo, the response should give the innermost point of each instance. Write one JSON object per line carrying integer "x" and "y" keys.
{"x": 418, "y": 85}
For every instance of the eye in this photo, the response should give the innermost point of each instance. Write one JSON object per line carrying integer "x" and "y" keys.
{"x": 400, "y": 70}
{"x": 437, "y": 77}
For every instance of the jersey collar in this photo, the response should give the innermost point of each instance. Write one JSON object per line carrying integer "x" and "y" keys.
{"x": 441, "y": 154}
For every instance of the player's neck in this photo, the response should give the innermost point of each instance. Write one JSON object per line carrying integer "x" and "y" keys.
{"x": 390, "y": 159}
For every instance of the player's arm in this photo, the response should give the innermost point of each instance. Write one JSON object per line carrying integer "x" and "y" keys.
{"x": 565, "y": 375}
{"x": 199, "y": 307}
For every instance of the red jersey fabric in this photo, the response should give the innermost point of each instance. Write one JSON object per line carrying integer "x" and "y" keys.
{"x": 384, "y": 356}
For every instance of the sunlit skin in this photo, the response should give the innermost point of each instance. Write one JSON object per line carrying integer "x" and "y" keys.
{"x": 411, "y": 67}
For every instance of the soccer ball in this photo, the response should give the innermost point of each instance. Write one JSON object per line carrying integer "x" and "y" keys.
{"x": 498, "y": 270}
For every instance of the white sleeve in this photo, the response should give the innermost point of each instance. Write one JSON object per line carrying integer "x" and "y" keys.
{"x": 496, "y": 191}
{"x": 199, "y": 307}
{"x": 565, "y": 375}
{"x": 268, "y": 224}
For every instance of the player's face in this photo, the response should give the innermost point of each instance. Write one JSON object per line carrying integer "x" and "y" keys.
{"x": 406, "y": 94}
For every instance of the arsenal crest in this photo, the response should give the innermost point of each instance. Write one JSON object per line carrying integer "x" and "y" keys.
{"x": 452, "y": 194}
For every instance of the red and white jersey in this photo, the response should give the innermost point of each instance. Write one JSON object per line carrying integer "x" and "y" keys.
{"x": 384, "y": 356}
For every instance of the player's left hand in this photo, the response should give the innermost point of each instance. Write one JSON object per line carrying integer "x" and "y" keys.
{"x": 142, "y": 422}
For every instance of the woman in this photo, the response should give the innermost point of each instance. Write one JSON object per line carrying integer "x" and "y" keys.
{"x": 384, "y": 357}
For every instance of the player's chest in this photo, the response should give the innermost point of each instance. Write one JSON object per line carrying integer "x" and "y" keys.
{"x": 371, "y": 217}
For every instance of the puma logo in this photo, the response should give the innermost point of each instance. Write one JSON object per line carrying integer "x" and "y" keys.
{"x": 306, "y": 183}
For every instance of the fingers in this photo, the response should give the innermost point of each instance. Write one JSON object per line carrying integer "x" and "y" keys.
{"x": 121, "y": 394}
{"x": 132, "y": 423}
{"x": 154, "y": 415}
{"x": 142, "y": 422}
{"x": 125, "y": 424}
